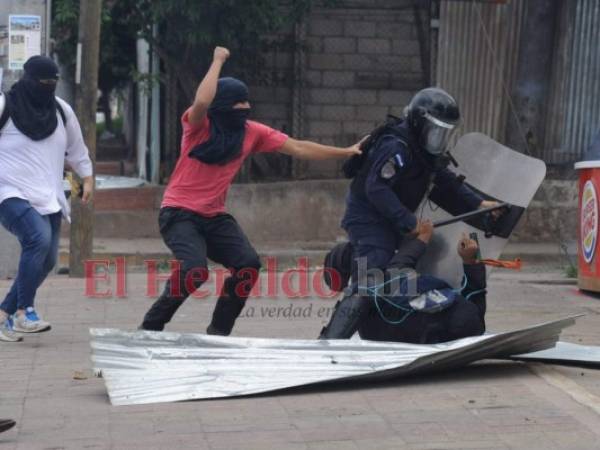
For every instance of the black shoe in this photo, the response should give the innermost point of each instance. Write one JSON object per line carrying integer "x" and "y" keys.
{"x": 347, "y": 317}
{"x": 226, "y": 312}
{"x": 148, "y": 327}
{"x": 162, "y": 311}
{"x": 215, "y": 332}
{"x": 6, "y": 424}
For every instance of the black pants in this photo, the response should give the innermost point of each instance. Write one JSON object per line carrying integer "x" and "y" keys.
{"x": 192, "y": 239}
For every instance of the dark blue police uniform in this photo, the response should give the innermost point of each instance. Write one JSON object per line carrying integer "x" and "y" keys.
{"x": 387, "y": 190}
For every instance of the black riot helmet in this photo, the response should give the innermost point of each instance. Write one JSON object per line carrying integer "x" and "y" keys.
{"x": 433, "y": 116}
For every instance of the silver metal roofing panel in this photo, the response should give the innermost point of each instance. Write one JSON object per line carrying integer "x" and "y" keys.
{"x": 151, "y": 367}
{"x": 566, "y": 353}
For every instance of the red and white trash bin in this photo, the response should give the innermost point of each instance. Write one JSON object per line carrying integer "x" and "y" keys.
{"x": 587, "y": 235}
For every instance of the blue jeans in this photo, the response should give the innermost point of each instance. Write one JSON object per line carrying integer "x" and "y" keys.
{"x": 38, "y": 236}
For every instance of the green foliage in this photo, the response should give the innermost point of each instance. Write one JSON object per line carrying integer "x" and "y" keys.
{"x": 188, "y": 30}
{"x": 65, "y": 15}
{"x": 571, "y": 271}
{"x": 117, "y": 41}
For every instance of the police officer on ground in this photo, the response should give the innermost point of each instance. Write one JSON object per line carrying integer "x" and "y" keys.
{"x": 437, "y": 313}
{"x": 402, "y": 163}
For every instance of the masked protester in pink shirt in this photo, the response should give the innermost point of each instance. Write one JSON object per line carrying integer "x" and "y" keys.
{"x": 217, "y": 138}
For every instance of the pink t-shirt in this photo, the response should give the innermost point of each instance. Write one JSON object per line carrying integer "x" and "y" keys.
{"x": 201, "y": 187}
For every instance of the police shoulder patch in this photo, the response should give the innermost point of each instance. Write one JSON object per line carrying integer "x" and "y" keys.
{"x": 388, "y": 170}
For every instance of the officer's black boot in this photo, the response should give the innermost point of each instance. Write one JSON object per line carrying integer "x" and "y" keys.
{"x": 346, "y": 318}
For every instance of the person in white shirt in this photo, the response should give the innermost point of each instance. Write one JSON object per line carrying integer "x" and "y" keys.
{"x": 41, "y": 134}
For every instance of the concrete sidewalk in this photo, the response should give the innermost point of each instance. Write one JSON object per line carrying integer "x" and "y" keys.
{"x": 50, "y": 391}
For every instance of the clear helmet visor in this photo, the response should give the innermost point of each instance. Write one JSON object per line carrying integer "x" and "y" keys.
{"x": 436, "y": 135}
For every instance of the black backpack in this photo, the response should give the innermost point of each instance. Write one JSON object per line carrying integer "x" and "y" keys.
{"x": 5, "y": 113}
{"x": 353, "y": 165}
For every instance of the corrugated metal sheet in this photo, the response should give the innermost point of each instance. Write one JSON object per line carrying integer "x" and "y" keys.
{"x": 566, "y": 353}
{"x": 477, "y": 54}
{"x": 574, "y": 116}
{"x": 477, "y": 57}
{"x": 151, "y": 367}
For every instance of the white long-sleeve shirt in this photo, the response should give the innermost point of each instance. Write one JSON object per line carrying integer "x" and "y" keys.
{"x": 33, "y": 170}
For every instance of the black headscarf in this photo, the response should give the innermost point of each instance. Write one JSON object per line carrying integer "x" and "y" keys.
{"x": 227, "y": 125}
{"x": 31, "y": 104}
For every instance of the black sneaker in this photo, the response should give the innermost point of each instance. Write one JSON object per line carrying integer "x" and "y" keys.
{"x": 215, "y": 332}
{"x": 6, "y": 424}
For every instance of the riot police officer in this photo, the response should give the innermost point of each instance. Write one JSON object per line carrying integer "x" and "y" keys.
{"x": 402, "y": 162}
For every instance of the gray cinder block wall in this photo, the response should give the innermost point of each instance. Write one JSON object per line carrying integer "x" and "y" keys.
{"x": 360, "y": 63}
{"x": 308, "y": 213}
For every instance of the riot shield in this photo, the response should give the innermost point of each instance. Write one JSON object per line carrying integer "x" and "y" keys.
{"x": 497, "y": 173}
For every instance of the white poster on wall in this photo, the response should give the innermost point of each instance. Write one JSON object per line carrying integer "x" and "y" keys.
{"x": 24, "y": 39}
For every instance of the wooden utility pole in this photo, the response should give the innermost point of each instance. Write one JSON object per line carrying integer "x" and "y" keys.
{"x": 86, "y": 89}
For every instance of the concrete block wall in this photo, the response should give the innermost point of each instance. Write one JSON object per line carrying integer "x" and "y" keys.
{"x": 551, "y": 214}
{"x": 311, "y": 211}
{"x": 308, "y": 212}
{"x": 362, "y": 62}
{"x": 272, "y": 105}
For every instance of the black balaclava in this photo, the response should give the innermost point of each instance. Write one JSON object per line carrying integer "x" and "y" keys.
{"x": 227, "y": 125}
{"x": 32, "y": 104}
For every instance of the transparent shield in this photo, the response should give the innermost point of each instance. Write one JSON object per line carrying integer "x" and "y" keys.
{"x": 494, "y": 169}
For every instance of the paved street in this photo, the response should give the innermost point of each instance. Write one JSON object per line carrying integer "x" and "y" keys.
{"x": 490, "y": 405}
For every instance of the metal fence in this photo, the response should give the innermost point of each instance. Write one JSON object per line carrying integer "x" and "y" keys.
{"x": 478, "y": 49}
{"x": 477, "y": 55}
{"x": 574, "y": 113}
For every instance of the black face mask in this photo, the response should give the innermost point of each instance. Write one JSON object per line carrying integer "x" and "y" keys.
{"x": 38, "y": 93}
{"x": 227, "y": 124}
{"x": 31, "y": 103}
{"x": 234, "y": 119}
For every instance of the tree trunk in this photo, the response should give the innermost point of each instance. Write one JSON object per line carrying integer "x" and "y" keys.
{"x": 82, "y": 226}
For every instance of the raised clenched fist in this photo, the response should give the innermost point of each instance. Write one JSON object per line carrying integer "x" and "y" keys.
{"x": 221, "y": 54}
{"x": 467, "y": 249}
